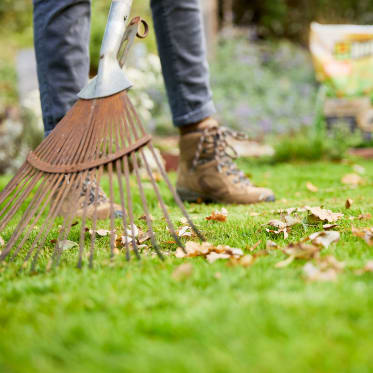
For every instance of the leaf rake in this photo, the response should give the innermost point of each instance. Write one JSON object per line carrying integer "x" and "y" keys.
{"x": 102, "y": 133}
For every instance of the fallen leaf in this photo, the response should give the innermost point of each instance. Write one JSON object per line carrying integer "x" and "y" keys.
{"x": 311, "y": 187}
{"x": 349, "y": 203}
{"x": 102, "y": 232}
{"x": 179, "y": 253}
{"x": 319, "y": 214}
{"x": 213, "y": 256}
{"x": 218, "y": 215}
{"x": 66, "y": 245}
{"x": 301, "y": 250}
{"x": 143, "y": 237}
{"x": 182, "y": 272}
{"x": 285, "y": 263}
{"x": 329, "y": 226}
{"x": 184, "y": 231}
{"x": 366, "y": 216}
{"x": 277, "y": 224}
{"x": 313, "y": 273}
{"x": 352, "y": 179}
{"x": 365, "y": 233}
{"x": 324, "y": 239}
{"x": 254, "y": 214}
{"x": 252, "y": 248}
{"x": 245, "y": 261}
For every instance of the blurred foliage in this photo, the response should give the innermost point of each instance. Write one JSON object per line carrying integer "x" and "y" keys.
{"x": 291, "y": 18}
{"x": 263, "y": 87}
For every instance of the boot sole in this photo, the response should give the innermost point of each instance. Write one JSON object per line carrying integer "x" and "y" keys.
{"x": 189, "y": 196}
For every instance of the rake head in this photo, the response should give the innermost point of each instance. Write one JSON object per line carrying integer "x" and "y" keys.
{"x": 97, "y": 137}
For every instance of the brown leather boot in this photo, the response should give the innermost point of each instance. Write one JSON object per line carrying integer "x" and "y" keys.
{"x": 103, "y": 203}
{"x": 207, "y": 171}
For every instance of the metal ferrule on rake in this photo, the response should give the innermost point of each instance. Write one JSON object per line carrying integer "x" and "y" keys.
{"x": 110, "y": 78}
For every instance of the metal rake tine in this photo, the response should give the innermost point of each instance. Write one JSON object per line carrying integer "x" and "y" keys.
{"x": 124, "y": 217}
{"x": 171, "y": 226}
{"x": 98, "y": 179}
{"x": 84, "y": 220}
{"x": 25, "y": 221}
{"x": 66, "y": 228}
{"x": 163, "y": 173}
{"x": 43, "y": 234}
{"x": 129, "y": 205}
{"x": 22, "y": 173}
{"x": 145, "y": 208}
{"x": 175, "y": 195}
{"x": 25, "y": 193}
{"x": 110, "y": 171}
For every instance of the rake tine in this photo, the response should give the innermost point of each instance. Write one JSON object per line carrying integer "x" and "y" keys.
{"x": 110, "y": 170}
{"x": 175, "y": 195}
{"x": 145, "y": 208}
{"x": 43, "y": 234}
{"x": 98, "y": 179}
{"x": 171, "y": 226}
{"x": 27, "y": 217}
{"x": 129, "y": 205}
{"x": 68, "y": 219}
{"x": 163, "y": 173}
{"x": 84, "y": 220}
{"x": 7, "y": 191}
{"x": 124, "y": 218}
{"x": 9, "y": 215}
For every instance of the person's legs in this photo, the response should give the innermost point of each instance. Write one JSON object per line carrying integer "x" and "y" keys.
{"x": 61, "y": 34}
{"x": 181, "y": 44}
{"x": 206, "y": 171}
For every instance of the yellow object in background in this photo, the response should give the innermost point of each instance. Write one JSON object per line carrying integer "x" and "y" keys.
{"x": 343, "y": 58}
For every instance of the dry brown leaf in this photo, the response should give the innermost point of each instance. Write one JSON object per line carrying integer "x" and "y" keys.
{"x": 218, "y": 215}
{"x": 365, "y": 233}
{"x": 311, "y": 187}
{"x": 245, "y": 261}
{"x": 319, "y": 214}
{"x": 208, "y": 251}
{"x": 348, "y": 203}
{"x": 182, "y": 272}
{"x": 352, "y": 179}
{"x": 324, "y": 239}
{"x": 285, "y": 263}
{"x": 329, "y": 226}
{"x": 301, "y": 250}
{"x": 252, "y": 248}
{"x": 366, "y": 216}
{"x": 213, "y": 256}
{"x": 184, "y": 231}
{"x": 313, "y": 273}
{"x": 143, "y": 237}
{"x": 254, "y": 214}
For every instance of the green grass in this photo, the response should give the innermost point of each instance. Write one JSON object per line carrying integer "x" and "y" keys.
{"x": 136, "y": 318}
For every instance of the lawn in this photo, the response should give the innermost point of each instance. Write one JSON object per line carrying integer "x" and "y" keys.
{"x": 135, "y": 317}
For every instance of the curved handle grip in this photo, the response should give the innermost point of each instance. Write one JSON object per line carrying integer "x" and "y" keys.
{"x": 129, "y": 35}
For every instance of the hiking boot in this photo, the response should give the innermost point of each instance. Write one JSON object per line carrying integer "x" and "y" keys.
{"x": 103, "y": 203}
{"x": 207, "y": 171}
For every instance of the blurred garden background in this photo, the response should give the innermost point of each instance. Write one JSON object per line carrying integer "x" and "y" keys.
{"x": 273, "y": 97}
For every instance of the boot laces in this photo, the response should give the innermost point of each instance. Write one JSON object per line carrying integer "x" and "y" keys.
{"x": 214, "y": 145}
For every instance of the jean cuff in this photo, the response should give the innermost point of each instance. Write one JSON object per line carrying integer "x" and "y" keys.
{"x": 196, "y": 116}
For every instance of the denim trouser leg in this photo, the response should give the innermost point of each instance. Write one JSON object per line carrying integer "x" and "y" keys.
{"x": 61, "y": 29}
{"x": 181, "y": 44}
{"x": 61, "y": 34}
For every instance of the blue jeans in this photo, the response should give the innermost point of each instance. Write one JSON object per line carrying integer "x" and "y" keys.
{"x": 61, "y": 34}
